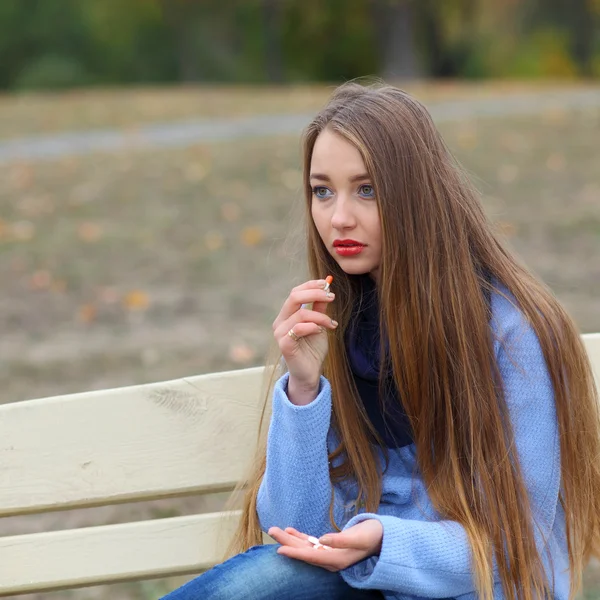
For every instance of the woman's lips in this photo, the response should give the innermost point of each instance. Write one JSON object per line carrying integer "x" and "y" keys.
{"x": 349, "y": 250}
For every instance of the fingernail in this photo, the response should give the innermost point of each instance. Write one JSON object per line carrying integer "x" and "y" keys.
{"x": 334, "y": 323}
{"x": 330, "y": 294}
{"x": 325, "y": 540}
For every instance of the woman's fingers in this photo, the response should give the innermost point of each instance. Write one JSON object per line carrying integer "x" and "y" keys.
{"x": 309, "y": 292}
{"x": 288, "y": 539}
{"x": 305, "y": 322}
{"x": 296, "y": 533}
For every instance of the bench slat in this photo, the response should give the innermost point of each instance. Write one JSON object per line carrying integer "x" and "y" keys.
{"x": 111, "y": 553}
{"x": 592, "y": 344}
{"x": 135, "y": 443}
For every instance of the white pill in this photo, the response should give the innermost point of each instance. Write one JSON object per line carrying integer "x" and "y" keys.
{"x": 313, "y": 540}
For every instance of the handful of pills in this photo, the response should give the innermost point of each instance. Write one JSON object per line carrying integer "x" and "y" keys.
{"x": 317, "y": 545}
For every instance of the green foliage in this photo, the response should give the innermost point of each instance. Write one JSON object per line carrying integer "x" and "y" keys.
{"x": 66, "y": 43}
{"x": 545, "y": 53}
{"x": 333, "y": 43}
{"x": 51, "y": 72}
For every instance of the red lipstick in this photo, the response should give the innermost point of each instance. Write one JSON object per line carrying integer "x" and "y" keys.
{"x": 348, "y": 247}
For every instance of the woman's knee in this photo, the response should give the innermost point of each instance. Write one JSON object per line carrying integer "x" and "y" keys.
{"x": 262, "y": 574}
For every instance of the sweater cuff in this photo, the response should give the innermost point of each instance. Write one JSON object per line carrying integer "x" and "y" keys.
{"x": 392, "y": 570}
{"x": 312, "y": 420}
{"x": 362, "y": 574}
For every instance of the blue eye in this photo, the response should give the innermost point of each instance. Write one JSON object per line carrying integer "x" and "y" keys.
{"x": 367, "y": 190}
{"x": 321, "y": 192}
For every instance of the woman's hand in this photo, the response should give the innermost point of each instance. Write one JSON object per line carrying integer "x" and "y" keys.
{"x": 347, "y": 547}
{"x": 304, "y": 356}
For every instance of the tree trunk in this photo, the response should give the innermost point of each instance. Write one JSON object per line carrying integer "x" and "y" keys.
{"x": 272, "y": 30}
{"x": 395, "y": 30}
{"x": 178, "y": 18}
{"x": 583, "y": 27}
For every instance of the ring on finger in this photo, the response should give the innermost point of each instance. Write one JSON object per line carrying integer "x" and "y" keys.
{"x": 293, "y": 335}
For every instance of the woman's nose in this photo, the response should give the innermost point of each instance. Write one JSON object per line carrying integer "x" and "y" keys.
{"x": 342, "y": 217}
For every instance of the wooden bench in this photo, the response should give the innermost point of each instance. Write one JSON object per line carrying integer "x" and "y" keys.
{"x": 181, "y": 437}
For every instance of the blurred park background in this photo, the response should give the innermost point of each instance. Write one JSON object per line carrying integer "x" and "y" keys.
{"x": 150, "y": 175}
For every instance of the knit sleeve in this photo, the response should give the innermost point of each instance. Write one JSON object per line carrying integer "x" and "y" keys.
{"x": 296, "y": 490}
{"x": 433, "y": 559}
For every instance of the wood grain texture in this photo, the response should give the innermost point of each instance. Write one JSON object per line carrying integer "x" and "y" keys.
{"x": 143, "y": 442}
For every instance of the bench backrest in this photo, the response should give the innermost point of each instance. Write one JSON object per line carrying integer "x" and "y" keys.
{"x": 181, "y": 437}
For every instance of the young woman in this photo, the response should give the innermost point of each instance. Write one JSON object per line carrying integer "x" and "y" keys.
{"x": 437, "y": 427}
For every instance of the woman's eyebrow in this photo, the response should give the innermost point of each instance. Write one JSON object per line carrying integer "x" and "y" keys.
{"x": 322, "y": 177}
{"x": 319, "y": 176}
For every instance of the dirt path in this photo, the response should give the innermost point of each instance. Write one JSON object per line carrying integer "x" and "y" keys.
{"x": 185, "y": 133}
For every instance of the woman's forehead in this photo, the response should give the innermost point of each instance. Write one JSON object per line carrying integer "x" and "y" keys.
{"x": 334, "y": 155}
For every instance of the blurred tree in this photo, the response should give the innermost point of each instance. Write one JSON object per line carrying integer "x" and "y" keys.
{"x": 584, "y": 33}
{"x": 31, "y": 28}
{"x": 132, "y": 41}
{"x": 328, "y": 40}
{"x": 66, "y": 43}
{"x": 449, "y": 32}
{"x": 394, "y": 24}
{"x": 272, "y": 11}
{"x": 578, "y": 18}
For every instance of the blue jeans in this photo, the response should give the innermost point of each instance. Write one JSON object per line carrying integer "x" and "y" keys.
{"x": 262, "y": 574}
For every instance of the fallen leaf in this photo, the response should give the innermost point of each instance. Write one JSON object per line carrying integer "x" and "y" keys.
{"x": 87, "y": 313}
{"x": 22, "y": 176}
{"x": 252, "y": 236}
{"x": 89, "y": 232}
{"x": 241, "y": 353}
{"x": 40, "y": 280}
{"x": 136, "y": 300}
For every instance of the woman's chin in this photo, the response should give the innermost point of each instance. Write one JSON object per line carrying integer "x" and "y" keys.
{"x": 355, "y": 268}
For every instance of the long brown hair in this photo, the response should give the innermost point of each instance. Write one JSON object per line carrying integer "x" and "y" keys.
{"x": 436, "y": 243}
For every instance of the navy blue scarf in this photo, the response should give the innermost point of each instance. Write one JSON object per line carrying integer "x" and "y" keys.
{"x": 362, "y": 343}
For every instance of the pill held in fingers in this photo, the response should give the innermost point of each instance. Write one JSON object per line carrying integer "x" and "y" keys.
{"x": 328, "y": 282}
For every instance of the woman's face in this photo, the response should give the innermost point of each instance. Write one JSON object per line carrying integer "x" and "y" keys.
{"x": 344, "y": 208}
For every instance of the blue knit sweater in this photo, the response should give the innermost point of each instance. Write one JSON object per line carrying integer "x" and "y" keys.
{"x": 422, "y": 555}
